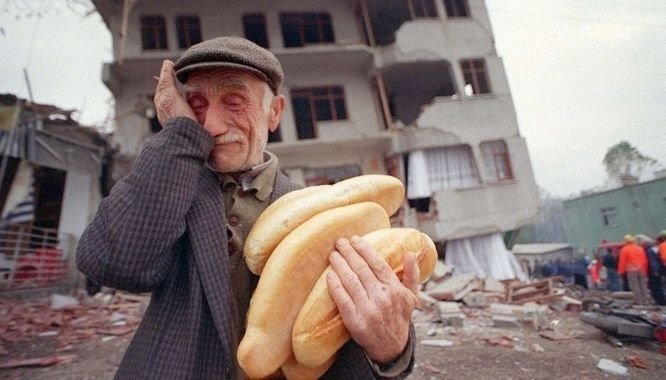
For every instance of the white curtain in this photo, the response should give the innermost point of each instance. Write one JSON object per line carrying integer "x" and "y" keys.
{"x": 485, "y": 256}
{"x": 440, "y": 169}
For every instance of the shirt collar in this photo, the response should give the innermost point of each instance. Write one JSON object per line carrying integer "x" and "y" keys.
{"x": 260, "y": 178}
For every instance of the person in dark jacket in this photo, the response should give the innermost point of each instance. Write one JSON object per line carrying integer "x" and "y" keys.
{"x": 176, "y": 225}
{"x": 609, "y": 261}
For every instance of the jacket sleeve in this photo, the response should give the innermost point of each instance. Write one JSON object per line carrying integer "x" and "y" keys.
{"x": 128, "y": 244}
{"x": 352, "y": 363}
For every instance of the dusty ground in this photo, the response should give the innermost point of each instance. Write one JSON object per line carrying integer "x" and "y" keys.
{"x": 472, "y": 356}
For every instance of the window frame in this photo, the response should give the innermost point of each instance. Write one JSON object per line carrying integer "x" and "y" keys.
{"x": 497, "y": 153}
{"x": 475, "y": 73}
{"x": 335, "y": 96}
{"x": 608, "y": 217}
{"x": 153, "y": 27}
{"x": 188, "y": 27}
{"x": 322, "y": 20}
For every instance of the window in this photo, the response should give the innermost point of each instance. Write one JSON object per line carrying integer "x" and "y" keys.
{"x": 153, "y": 33}
{"x": 189, "y": 31}
{"x": 439, "y": 169}
{"x": 424, "y": 8}
{"x": 456, "y": 8}
{"x": 254, "y": 26}
{"x": 496, "y": 160}
{"x": 474, "y": 71}
{"x": 299, "y": 29}
{"x": 317, "y": 104}
{"x": 608, "y": 216}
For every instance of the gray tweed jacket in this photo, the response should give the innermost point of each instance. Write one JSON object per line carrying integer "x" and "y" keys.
{"x": 162, "y": 230}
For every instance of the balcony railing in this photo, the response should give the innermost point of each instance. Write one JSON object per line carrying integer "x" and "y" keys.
{"x": 32, "y": 257}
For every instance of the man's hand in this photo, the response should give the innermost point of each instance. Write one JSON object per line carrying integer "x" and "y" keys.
{"x": 168, "y": 100}
{"x": 375, "y": 306}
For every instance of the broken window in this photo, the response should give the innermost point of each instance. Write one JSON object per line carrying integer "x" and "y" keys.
{"x": 299, "y": 29}
{"x": 189, "y": 31}
{"x": 386, "y": 16}
{"x": 474, "y": 71}
{"x": 254, "y": 26}
{"x": 496, "y": 160}
{"x": 456, "y": 8}
{"x": 317, "y": 104}
{"x": 153, "y": 33}
{"x": 609, "y": 216}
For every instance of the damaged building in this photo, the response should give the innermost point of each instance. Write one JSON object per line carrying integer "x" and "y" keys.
{"x": 52, "y": 177}
{"x": 410, "y": 88}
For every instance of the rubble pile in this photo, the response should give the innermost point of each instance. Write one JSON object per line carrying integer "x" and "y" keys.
{"x": 464, "y": 307}
{"x": 68, "y": 320}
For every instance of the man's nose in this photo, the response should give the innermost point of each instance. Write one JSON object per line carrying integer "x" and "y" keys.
{"x": 215, "y": 122}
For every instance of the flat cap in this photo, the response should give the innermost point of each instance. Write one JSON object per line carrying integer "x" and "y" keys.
{"x": 232, "y": 52}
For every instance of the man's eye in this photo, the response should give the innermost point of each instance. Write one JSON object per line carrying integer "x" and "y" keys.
{"x": 233, "y": 101}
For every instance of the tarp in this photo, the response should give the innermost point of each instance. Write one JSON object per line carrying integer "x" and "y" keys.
{"x": 484, "y": 255}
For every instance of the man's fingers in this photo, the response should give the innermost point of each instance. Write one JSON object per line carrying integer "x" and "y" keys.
{"x": 377, "y": 264}
{"x": 411, "y": 274}
{"x": 348, "y": 278}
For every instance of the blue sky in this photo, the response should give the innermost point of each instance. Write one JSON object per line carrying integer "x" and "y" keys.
{"x": 584, "y": 76}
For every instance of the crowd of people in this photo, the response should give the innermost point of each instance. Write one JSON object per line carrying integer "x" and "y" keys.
{"x": 638, "y": 265}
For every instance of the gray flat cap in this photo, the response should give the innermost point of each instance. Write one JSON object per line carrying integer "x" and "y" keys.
{"x": 232, "y": 52}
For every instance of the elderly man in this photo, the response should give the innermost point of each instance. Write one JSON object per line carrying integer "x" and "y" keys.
{"x": 175, "y": 226}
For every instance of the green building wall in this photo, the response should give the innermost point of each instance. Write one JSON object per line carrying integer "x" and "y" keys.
{"x": 639, "y": 208}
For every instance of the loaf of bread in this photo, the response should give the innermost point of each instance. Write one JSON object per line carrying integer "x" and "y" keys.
{"x": 318, "y": 331}
{"x": 293, "y": 370}
{"x": 289, "y": 275}
{"x": 282, "y": 217}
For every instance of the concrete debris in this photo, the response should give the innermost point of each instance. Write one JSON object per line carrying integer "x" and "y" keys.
{"x": 612, "y": 368}
{"x": 59, "y": 301}
{"x": 566, "y": 303}
{"x": 437, "y": 343}
{"x": 556, "y": 335}
{"x": 67, "y": 321}
{"x": 441, "y": 271}
{"x": 505, "y": 321}
{"x": 492, "y": 285}
{"x": 455, "y": 288}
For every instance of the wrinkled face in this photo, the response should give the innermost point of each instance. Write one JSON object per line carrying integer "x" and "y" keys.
{"x": 238, "y": 109}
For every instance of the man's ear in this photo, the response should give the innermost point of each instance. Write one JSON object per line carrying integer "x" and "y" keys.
{"x": 277, "y": 106}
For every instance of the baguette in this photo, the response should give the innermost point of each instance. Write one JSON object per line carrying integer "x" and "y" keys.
{"x": 282, "y": 217}
{"x": 293, "y": 370}
{"x": 319, "y": 331}
{"x": 290, "y": 273}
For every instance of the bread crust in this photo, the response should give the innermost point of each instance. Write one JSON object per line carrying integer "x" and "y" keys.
{"x": 318, "y": 331}
{"x": 284, "y": 215}
{"x": 290, "y": 273}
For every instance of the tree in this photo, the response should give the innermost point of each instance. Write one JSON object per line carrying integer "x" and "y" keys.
{"x": 623, "y": 159}
{"x": 27, "y": 9}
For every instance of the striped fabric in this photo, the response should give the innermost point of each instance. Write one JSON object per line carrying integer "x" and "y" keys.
{"x": 24, "y": 211}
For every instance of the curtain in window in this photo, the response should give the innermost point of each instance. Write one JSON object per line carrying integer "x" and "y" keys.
{"x": 440, "y": 169}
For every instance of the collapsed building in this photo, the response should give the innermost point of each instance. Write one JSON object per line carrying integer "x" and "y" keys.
{"x": 410, "y": 88}
{"x": 53, "y": 174}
